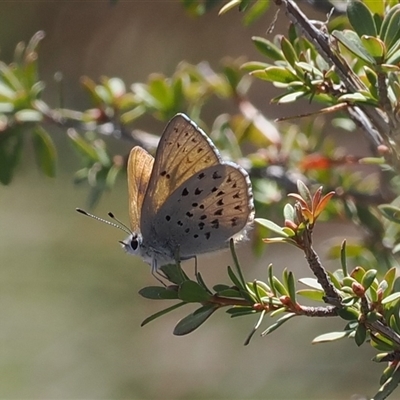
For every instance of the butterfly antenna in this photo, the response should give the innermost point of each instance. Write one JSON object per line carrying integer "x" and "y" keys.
{"x": 120, "y": 225}
{"x": 111, "y": 215}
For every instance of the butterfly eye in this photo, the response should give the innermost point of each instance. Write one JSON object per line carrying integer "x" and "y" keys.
{"x": 134, "y": 242}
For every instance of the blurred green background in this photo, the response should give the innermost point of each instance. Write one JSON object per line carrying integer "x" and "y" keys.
{"x": 70, "y": 310}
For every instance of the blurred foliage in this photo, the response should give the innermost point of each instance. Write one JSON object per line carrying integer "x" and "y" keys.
{"x": 349, "y": 65}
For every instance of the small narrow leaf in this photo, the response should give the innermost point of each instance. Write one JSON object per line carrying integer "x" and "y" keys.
{"x": 192, "y": 292}
{"x": 278, "y": 323}
{"x": 389, "y": 277}
{"x": 267, "y": 48}
{"x": 393, "y": 297}
{"x": 312, "y": 283}
{"x": 348, "y": 314}
{"x": 279, "y": 287}
{"x": 290, "y": 98}
{"x": 392, "y": 213}
{"x": 10, "y": 152}
{"x": 256, "y": 326}
{"x": 45, "y": 151}
{"x": 368, "y": 278}
{"x": 352, "y": 41}
{"x": 289, "y": 52}
{"x": 361, "y": 18}
{"x": 228, "y": 6}
{"x": 291, "y": 287}
{"x": 28, "y": 116}
{"x": 277, "y": 74}
{"x": 361, "y": 335}
{"x": 343, "y": 260}
{"x": 161, "y": 313}
{"x": 174, "y": 273}
{"x": 315, "y": 295}
{"x": 331, "y": 336}
{"x": 158, "y": 293}
{"x": 193, "y": 321}
{"x": 233, "y": 278}
{"x": 271, "y": 226}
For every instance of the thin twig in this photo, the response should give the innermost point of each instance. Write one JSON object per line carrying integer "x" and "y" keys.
{"x": 332, "y": 295}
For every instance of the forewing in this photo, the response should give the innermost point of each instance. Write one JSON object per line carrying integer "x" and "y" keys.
{"x": 207, "y": 210}
{"x": 183, "y": 151}
{"x": 140, "y": 165}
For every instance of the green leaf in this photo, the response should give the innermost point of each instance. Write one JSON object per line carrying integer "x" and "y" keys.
{"x": 251, "y": 66}
{"x": 361, "y": 335}
{"x": 279, "y": 287}
{"x": 291, "y": 287}
{"x": 315, "y": 295}
{"x": 45, "y": 151}
{"x": 360, "y": 18}
{"x": 390, "y": 30}
{"x": 368, "y": 278}
{"x": 9, "y": 77}
{"x": 234, "y": 279}
{"x": 353, "y": 97}
{"x": 112, "y": 175}
{"x": 381, "y": 343}
{"x": 394, "y": 57}
{"x": 220, "y": 287}
{"x": 312, "y": 283}
{"x": 353, "y": 43}
{"x": 376, "y": 7}
{"x": 343, "y": 260}
{"x": 348, "y": 314}
{"x": 228, "y": 6}
{"x": 10, "y": 152}
{"x": 267, "y": 48}
{"x": 392, "y": 380}
{"x": 290, "y": 98}
{"x": 277, "y": 74}
{"x": 174, "y": 273}
{"x": 289, "y": 52}
{"x": 192, "y": 292}
{"x": 240, "y": 311}
{"x": 304, "y": 192}
{"x": 271, "y": 280}
{"x": 237, "y": 264}
{"x": 230, "y": 293}
{"x": 81, "y": 146}
{"x": 392, "y": 213}
{"x": 288, "y": 212}
{"x": 272, "y": 226}
{"x": 278, "y": 323}
{"x": 375, "y": 47}
{"x": 28, "y": 116}
{"x": 116, "y": 86}
{"x": 193, "y": 321}
{"x": 392, "y": 297}
{"x": 256, "y": 326}
{"x": 158, "y": 293}
{"x": 6, "y": 93}
{"x": 255, "y": 11}
{"x": 331, "y": 336}
{"x": 389, "y": 277}
{"x": 161, "y": 313}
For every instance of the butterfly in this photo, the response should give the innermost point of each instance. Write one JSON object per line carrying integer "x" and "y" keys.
{"x": 186, "y": 200}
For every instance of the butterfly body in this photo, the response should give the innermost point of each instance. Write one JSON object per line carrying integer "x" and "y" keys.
{"x": 186, "y": 200}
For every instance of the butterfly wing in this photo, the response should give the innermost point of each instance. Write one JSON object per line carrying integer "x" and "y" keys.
{"x": 184, "y": 150}
{"x": 207, "y": 209}
{"x": 140, "y": 165}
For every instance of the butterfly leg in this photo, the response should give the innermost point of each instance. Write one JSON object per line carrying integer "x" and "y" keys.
{"x": 155, "y": 271}
{"x": 195, "y": 266}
